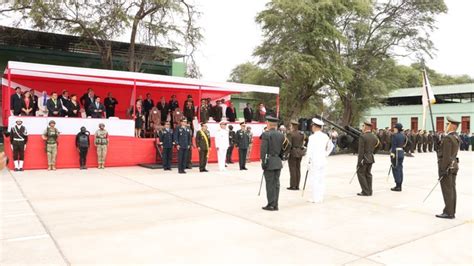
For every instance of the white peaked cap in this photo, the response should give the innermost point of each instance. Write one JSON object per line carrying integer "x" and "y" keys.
{"x": 317, "y": 122}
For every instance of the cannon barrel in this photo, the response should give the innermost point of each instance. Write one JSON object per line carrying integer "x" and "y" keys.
{"x": 354, "y": 133}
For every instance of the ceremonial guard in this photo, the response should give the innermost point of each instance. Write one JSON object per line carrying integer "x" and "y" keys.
{"x": 296, "y": 139}
{"x": 270, "y": 152}
{"x": 51, "y": 135}
{"x": 448, "y": 166}
{"x": 18, "y": 140}
{"x": 82, "y": 145}
{"x": 242, "y": 141}
{"x": 189, "y": 164}
{"x": 430, "y": 141}
{"x": 424, "y": 138}
{"x": 419, "y": 140}
{"x": 203, "y": 143}
{"x": 367, "y": 144}
{"x": 222, "y": 144}
{"x": 182, "y": 140}
{"x": 166, "y": 141}
{"x": 230, "y": 149}
{"x": 101, "y": 142}
{"x": 319, "y": 148}
{"x": 412, "y": 137}
{"x": 396, "y": 156}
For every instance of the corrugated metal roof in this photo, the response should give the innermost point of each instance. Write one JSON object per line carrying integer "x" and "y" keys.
{"x": 438, "y": 90}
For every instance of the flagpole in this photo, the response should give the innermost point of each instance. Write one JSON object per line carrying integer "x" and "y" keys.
{"x": 428, "y": 99}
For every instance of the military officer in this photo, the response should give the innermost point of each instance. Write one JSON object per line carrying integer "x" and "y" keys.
{"x": 231, "y": 145}
{"x": 270, "y": 150}
{"x": 242, "y": 141}
{"x": 397, "y": 155}
{"x": 166, "y": 141}
{"x": 51, "y": 135}
{"x": 296, "y": 139}
{"x": 182, "y": 140}
{"x": 222, "y": 144}
{"x": 424, "y": 139}
{"x": 203, "y": 143}
{"x": 448, "y": 166}
{"x": 82, "y": 145}
{"x": 101, "y": 142}
{"x": 367, "y": 144}
{"x": 419, "y": 140}
{"x": 412, "y": 137}
{"x": 430, "y": 141}
{"x": 18, "y": 140}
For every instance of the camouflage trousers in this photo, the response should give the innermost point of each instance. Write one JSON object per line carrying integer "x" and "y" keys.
{"x": 51, "y": 152}
{"x": 101, "y": 153}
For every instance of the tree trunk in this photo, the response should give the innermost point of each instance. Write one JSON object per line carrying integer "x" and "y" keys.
{"x": 347, "y": 111}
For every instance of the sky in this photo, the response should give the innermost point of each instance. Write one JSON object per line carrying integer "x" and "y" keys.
{"x": 231, "y": 35}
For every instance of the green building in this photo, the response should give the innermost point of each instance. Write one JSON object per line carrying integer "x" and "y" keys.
{"x": 405, "y": 106}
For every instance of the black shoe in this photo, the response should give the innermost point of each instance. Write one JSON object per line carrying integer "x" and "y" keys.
{"x": 201, "y": 170}
{"x": 396, "y": 189}
{"x": 182, "y": 172}
{"x": 205, "y": 170}
{"x": 245, "y": 168}
{"x": 269, "y": 208}
{"x": 362, "y": 194}
{"x": 21, "y": 169}
{"x": 445, "y": 216}
{"x": 275, "y": 208}
{"x": 189, "y": 168}
{"x": 16, "y": 170}
{"x": 291, "y": 188}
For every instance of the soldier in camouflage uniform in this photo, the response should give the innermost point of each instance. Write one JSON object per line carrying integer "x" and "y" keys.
{"x": 101, "y": 142}
{"x": 51, "y": 135}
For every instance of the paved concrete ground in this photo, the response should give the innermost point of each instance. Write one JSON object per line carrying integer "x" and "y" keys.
{"x": 134, "y": 215}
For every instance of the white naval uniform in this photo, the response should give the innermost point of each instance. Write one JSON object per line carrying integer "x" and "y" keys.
{"x": 222, "y": 144}
{"x": 319, "y": 148}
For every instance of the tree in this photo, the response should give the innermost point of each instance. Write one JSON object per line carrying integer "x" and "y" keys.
{"x": 154, "y": 23}
{"x": 348, "y": 45}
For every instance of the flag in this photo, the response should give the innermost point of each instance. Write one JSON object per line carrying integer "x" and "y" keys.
{"x": 427, "y": 95}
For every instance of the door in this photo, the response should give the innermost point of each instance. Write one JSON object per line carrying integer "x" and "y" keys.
{"x": 414, "y": 124}
{"x": 466, "y": 124}
{"x": 440, "y": 124}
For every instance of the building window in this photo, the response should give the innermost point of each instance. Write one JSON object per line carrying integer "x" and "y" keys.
{"x": 440, "y": 124}
{"x": 414, "y": 123}
{"x": 466, "y": 124}
{"x": 373, "y": 121}
{"x": 394, "y": 121}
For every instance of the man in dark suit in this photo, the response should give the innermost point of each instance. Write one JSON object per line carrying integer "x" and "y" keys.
{"x": 164, "y": 109}
{"x": 54, "y": 105}
{"x": 97, "y": 109}
{"x": 248, "y": 113}
{"x": 231, "y": 113}
{"x": 147, "y": 105}
{"x": 110, "y": 103}
{"x": 87, "y": 100}
{"x": 15, "y": 102}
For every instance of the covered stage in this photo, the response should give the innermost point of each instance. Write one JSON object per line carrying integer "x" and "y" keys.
{"x": 124, "y": 149}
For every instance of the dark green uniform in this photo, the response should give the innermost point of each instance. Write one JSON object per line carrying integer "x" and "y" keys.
{"x": 242, "y": 141}
{"x": 448, "y": 170}
{"x": 296, "y": 139}
{"x": 367, "y": 144}
{"x": 270, "y": 148}
{"x": 203, "y": 142}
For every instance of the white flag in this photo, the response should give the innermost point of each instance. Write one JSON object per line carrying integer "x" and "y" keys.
{"x": 427, "y": 96}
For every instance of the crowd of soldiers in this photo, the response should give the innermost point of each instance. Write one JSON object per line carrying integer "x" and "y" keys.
{"x": 416, "y": 141}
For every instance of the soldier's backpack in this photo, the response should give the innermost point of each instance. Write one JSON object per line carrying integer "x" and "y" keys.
{"x": 83, "y": 141}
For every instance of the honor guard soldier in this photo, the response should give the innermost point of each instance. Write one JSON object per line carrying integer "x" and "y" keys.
{"x": 296, "y": 139}
{"x": 231, "y": 145}
{"x": 82, "y": 145}
{"x": 166, "y": 141}
{"x": 367, "y": 144}
{"x": 448, "y": 168}
{"x": 101, "y": 142}
{"x": 189, "y": 164}
{"x": 242, "y": 140}
{"x": 221, "y": 140}
{"x": 396, "y": 156}
{"x": 182, "y": 140}
{"x": 270, "y": 152}
{"x": 18, "y": 140}
{"x": 203, "y": 143}
{"x": 51, "y": 135}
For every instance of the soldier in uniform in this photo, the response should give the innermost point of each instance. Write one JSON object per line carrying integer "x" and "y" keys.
{"x": 189, "y": 164}
{"x": 18, "y": 140}
{"x": 448, "y": 168}
{"x": 436, "y": 141}
{"x": 367, "y": 144}
{"x": 101, "y": 142}
{"x": 424, "y": 139}
{"x": 242, "y": 141}
{"x": 182, "y": 140}
{"x": 249, "y": 150}
{"x": 203, "y": 143}
{"x": 51, "y": 135}
{"x": 166, "y": 141}
{"x": 270, "y": 150}
{"x": 231, "y": 145}
{"x": 430, "y": 141}
{"x": 419, "y": 140}
{"x": 396, "y": 156}
{"x": 296, "y": 139}
{"x": 82, "y": 145}
{"x": 412, "y": 137}
{"x": 222, "y": 144}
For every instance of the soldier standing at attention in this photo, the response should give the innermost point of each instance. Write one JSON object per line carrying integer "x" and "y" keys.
{"x": 82, "y": 145}
{"x": 222, "y": 144}
{"x": 430, "y": 141}
{"x": 101, "y": 142}
{"x": 448, "y": 168}
{"x": 419, "y": 140}
{"x": 18, "y": 140}
{"x": 231, "y": 145}
{"x": 396, "y": 156}
{"x": 189, "y": 164}
{"x": 51, "y": 135}
{"x": 296, "y": 139}
{"x": 270, "y": 149}
{"x": 367, "y": 144}
{"x": 203, "y": 143}
{"x": 242, "y": 141}
{"x": 182, "y": 140}
{"x": 166, "y": 140}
